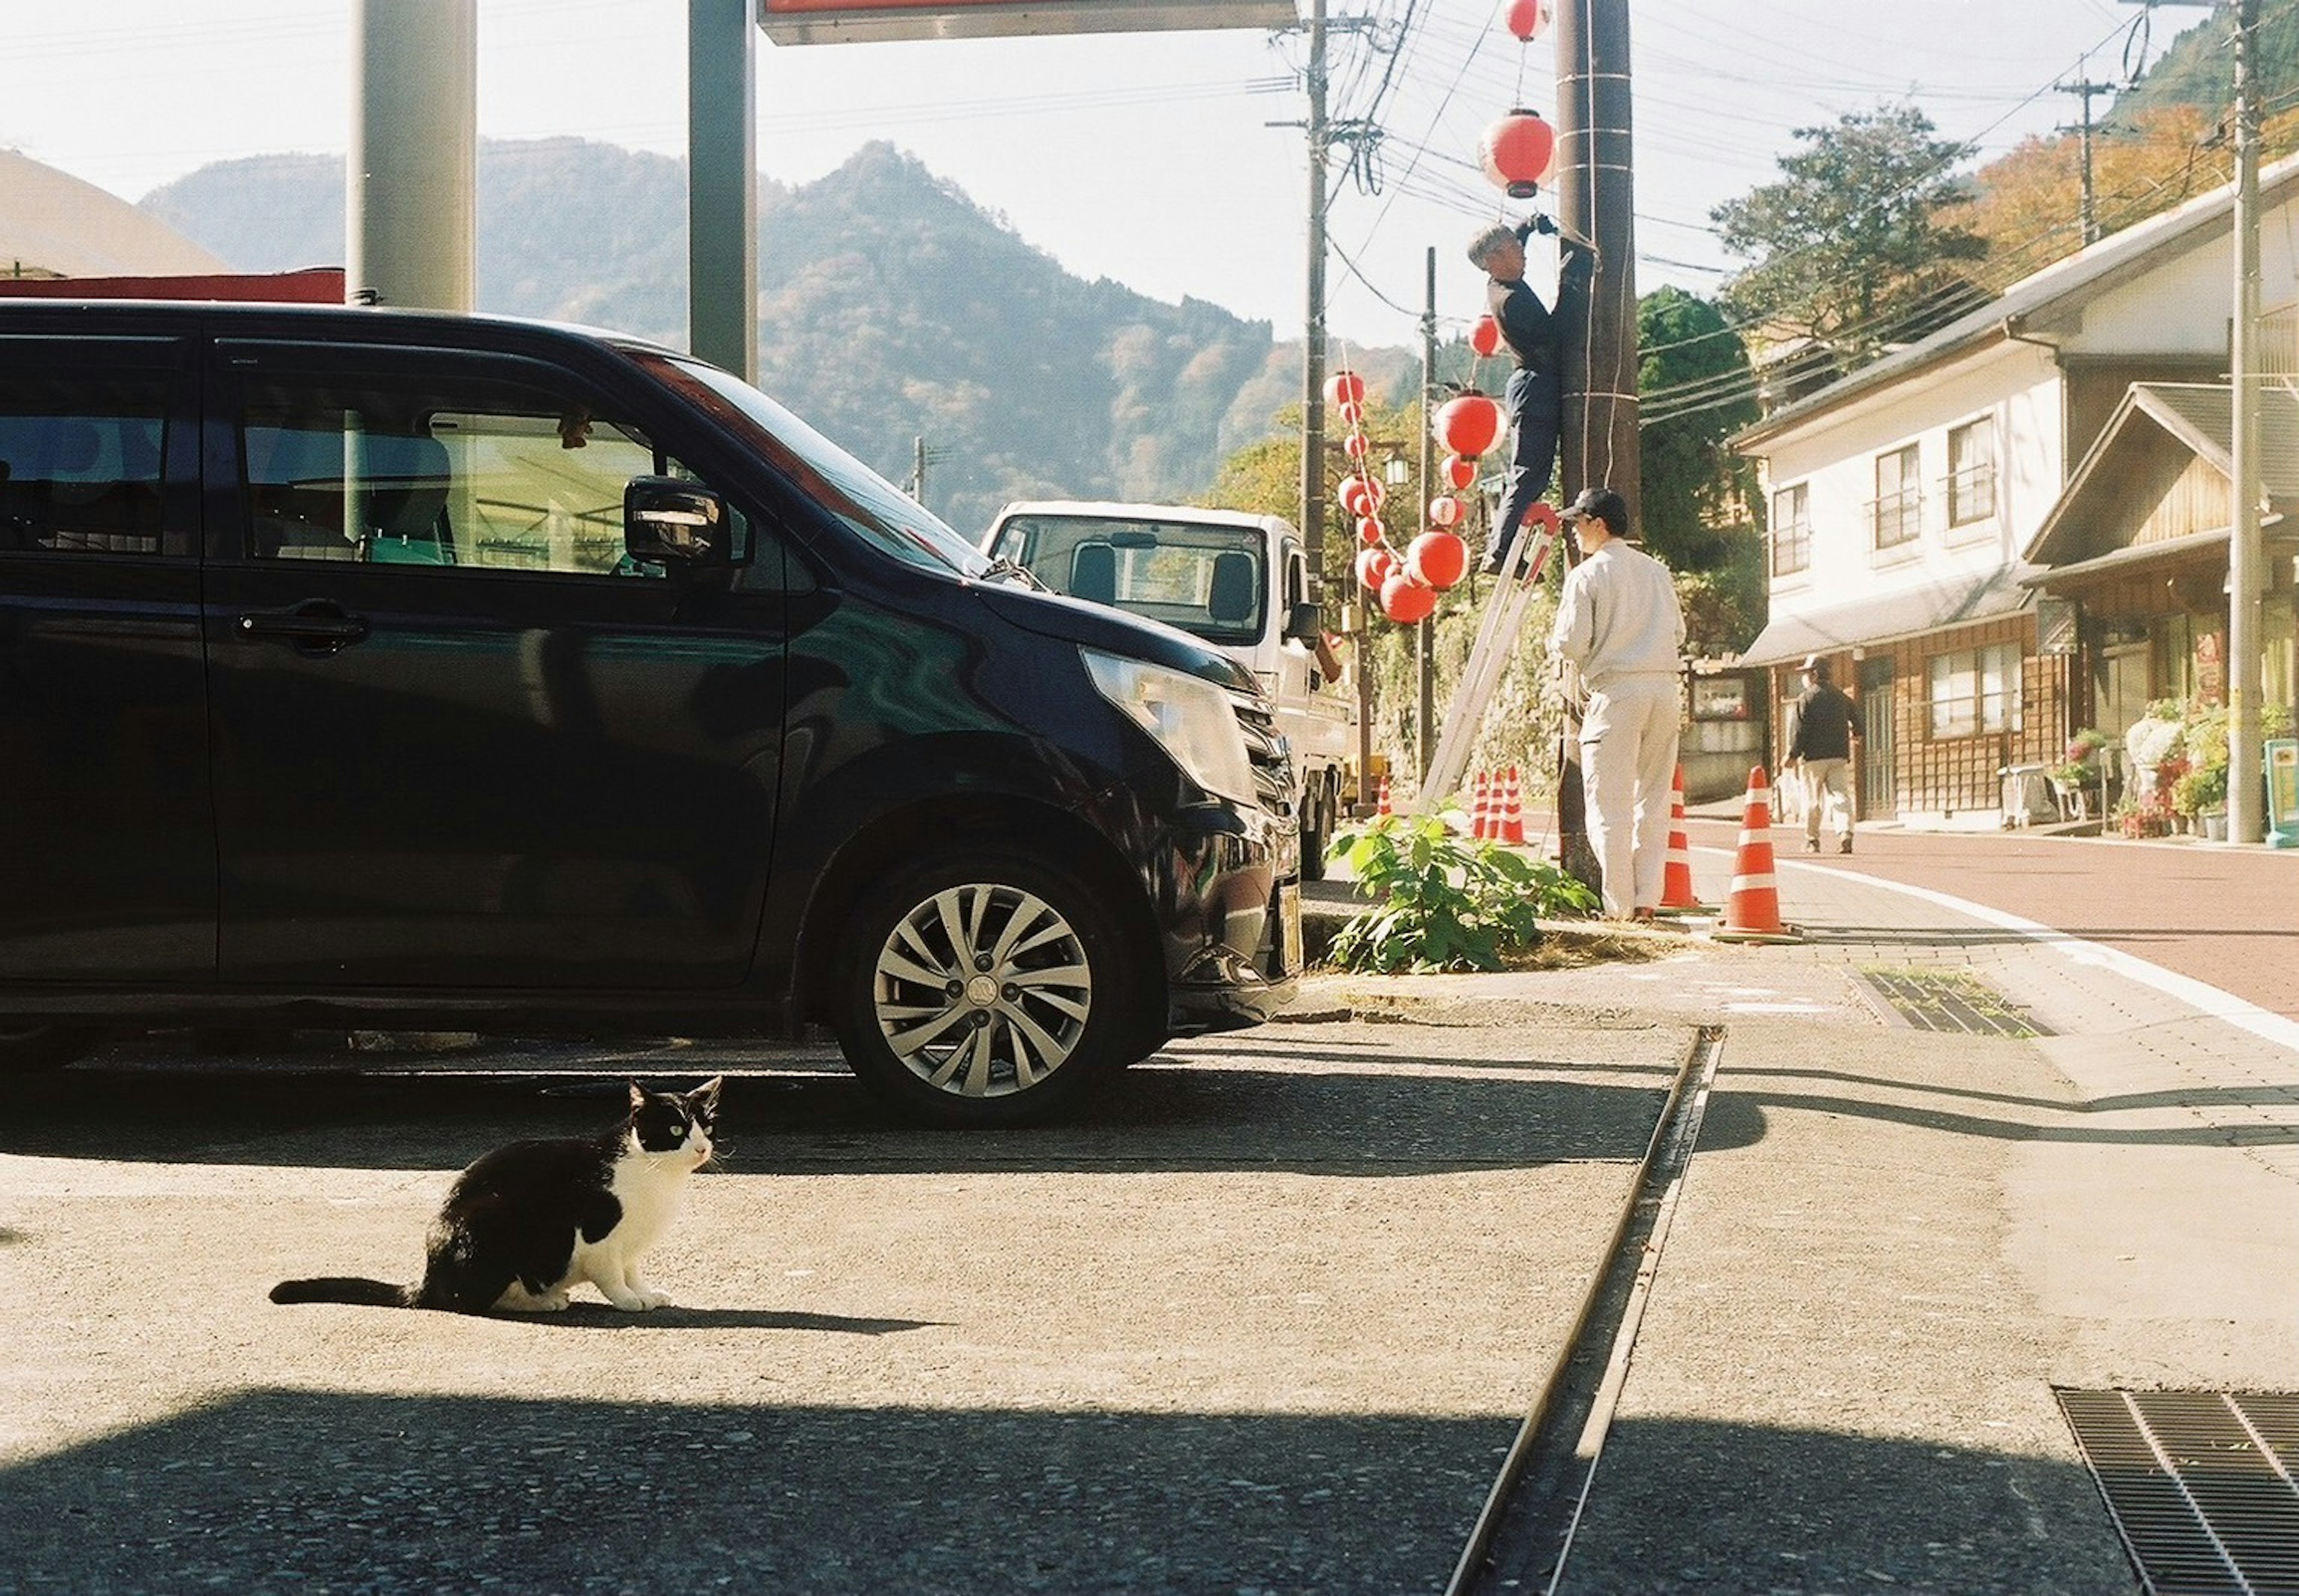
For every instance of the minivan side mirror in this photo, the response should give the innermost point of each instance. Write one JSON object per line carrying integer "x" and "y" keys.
{"x": 668, "y": 521}
{"x": 1304, "y": 622}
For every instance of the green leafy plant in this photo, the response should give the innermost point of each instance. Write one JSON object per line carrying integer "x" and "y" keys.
{"x": 1442, "y": 903}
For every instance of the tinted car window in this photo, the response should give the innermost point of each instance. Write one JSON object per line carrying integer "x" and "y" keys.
{"x": 80, "y": 462}
{"x": 868, "y": 505}
{"x": 458, "y": 471}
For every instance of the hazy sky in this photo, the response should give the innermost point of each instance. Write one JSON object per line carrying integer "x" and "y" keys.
{"x": 1150, "y": 159}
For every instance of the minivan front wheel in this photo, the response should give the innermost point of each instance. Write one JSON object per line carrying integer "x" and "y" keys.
{"x": 981, "y": 989}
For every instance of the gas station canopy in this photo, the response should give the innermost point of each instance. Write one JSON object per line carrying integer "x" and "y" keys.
{"x": 855, "y": 21}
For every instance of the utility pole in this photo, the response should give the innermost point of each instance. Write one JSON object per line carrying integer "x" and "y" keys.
{"x": 2246, "y": 556}
{"x": 1424, "y": 642}
{"x": 919, "y": 467}
{"x": 1596, "y": 199}
{"x": 2086, "y": 88}
{"x": 1598, "y": 341}
{"x": 1312, "y": 357}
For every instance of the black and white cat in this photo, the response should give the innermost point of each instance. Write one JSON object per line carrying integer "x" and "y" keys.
{"x": 529, "y": 1222}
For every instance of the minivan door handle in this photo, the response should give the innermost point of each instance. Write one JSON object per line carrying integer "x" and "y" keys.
{"x": 317, "y": 626}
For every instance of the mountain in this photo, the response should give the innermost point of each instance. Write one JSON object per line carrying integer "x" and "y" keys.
{"x": 892, "y": 308}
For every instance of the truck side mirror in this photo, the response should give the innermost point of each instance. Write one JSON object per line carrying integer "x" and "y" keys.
{"x": 668, "y": 521}
{"x": 1303, "y": 622}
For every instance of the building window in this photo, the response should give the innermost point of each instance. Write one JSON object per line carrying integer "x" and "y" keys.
{"x": 1791, "y": 530}
{"x": 1976, "y": 690}
{"x": 1972, "y": 472}
{"x": 1896, "y": 514}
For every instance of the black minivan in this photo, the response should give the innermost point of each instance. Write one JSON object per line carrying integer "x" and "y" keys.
{"x": 392, "y": 669}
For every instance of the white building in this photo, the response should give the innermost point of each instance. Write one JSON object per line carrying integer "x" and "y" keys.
{"x": 1906, "y": 499}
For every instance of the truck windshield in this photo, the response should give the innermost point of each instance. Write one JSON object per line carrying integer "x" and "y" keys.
{"x": 874, "y": 508}
{"x": 1209, "y": 580}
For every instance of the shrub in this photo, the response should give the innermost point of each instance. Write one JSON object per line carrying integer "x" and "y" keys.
{"x": 1444, "y": 904}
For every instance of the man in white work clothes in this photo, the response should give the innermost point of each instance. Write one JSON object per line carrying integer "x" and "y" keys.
{"x": 1620, "y": 627}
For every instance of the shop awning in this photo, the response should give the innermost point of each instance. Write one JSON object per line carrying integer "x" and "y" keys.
{"x": 1889, "y": 618}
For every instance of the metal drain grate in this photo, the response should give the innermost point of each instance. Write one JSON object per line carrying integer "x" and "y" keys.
{"x": 2199, "y": 1484}
{"x": 1951, "y": 1000}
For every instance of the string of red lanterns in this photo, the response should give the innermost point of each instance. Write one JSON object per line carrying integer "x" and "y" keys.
{"x": 1519, "y": 152}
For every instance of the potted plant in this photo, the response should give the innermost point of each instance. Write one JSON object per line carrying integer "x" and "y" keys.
{"x": 2205, "y": 740}
{"x": 2210, "y": 801}
{"x": 2077, "y": 777}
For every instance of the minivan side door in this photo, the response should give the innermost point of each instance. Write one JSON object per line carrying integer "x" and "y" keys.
{"x": 107, "y": 851}
{"x": 462, "y": 739}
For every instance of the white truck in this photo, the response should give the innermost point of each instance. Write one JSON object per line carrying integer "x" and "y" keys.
{"x": 1237, "y": 581}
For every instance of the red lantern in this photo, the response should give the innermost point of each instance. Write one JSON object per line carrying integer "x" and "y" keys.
{"x": 1352, "y": 414}
{"x": 1527, "y": 19}
{"x": 1352, "y": 492}
{"x": 1519, "y": 149}
{"x": 1345, "y": 387}
{"x": 1485, "y": 336}
{"x": 1355, "y": 446}
{"x": 1369, "y": 530}
{"x": 1470, "y": 425}
{"x": 1439, "y": 559}
{"x": 1405, "y": 601}
{"x": 1373, "y": 566}
{"x": 1461, "y": 473}
{"x": 1444, "y": 509}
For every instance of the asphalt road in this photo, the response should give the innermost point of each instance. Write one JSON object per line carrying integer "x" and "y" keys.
{"x": 1268, "y": 1321}
{"x": 2222, "y": 915}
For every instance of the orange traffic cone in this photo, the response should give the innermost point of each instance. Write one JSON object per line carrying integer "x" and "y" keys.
{"x": 1481, "y": 809}
{"x": 1385, "y": 793}
{"x": 1512, "y": 827}
{"x": 1753, "y": 911}
{"x": 1676, "y": 894}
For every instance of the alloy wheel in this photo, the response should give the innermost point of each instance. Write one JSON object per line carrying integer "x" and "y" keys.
{"x": 982, "y": 990}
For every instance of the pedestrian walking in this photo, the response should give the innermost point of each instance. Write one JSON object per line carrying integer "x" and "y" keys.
{"x": 1826, "y": 729}
{"x": 1535, "y": 396}
{"x": 1621, "y": 630}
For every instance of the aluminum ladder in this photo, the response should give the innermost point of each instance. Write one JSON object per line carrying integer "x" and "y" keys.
{"x": 1488, "y": 658}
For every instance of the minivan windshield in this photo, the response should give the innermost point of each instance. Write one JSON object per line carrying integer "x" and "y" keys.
{"x": 877, "y": 512}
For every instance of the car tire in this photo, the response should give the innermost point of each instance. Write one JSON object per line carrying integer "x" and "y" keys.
{"x": 24, "y": 1049}
{"x": 983, "y": 988}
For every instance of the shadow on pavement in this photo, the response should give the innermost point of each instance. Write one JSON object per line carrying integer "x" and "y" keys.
{"x": 283, "y": 1490}
{"x": 1211, "y": 1113}
{"x": 1685, "y": 1505}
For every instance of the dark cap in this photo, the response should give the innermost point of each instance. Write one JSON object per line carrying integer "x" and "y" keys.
{"x": 1599, "y": 503}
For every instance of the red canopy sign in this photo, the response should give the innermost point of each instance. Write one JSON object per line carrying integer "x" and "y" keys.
{"x": 853, "y": 21}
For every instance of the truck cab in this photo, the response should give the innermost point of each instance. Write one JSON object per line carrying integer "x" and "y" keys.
{"x": 1236, "y": 580}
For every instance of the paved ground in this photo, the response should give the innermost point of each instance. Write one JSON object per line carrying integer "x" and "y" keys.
{"x": 1264, "y": 1324}
{"x": 2225, "y": 915}
{"x": 1268, "y": 1322}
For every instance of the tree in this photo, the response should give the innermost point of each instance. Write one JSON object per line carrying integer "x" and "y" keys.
{"x": 2028, "y": 204}
{"x": 1701, "y": 514}
{"x": 1847, "y": 247}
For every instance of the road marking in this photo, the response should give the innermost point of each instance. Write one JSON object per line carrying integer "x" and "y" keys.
{"x": 2214, "y": 1002}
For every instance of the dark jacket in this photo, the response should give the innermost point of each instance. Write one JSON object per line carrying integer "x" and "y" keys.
{"x": 1826, "y": 725}
{"x": 1528, "y": 327}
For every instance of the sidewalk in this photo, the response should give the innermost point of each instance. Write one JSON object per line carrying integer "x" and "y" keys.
{"x": 1894, "y": 1242}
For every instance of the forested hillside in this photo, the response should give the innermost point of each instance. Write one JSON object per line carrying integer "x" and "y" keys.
{"x": 891, "y": 307}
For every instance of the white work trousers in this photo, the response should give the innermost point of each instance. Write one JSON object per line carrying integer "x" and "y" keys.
{"x": 1628, "y": 774}
{"x": 1827, "y": 787}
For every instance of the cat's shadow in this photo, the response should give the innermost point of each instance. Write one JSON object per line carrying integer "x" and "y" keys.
{"x": 598, "y": 1316}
